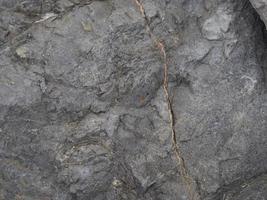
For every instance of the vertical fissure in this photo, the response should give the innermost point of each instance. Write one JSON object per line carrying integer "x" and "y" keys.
{"x": 186, "y": 178}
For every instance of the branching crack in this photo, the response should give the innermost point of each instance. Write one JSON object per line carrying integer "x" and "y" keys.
{"x": 187, "y": 179}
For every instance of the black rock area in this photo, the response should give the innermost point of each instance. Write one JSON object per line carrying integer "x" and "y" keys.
{"x": 84, "y": 116}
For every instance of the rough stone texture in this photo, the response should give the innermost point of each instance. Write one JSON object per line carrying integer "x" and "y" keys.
{"x": 82, "y": 110}
{"x": 261, "y": 8}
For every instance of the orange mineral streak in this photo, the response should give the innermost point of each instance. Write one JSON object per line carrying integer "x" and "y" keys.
{"x": 187, "y": 179}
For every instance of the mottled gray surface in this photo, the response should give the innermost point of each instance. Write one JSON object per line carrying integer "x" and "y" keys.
{"x": 82, "y": 110}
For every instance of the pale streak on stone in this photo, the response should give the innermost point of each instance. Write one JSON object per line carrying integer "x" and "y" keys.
{"x": 46, "y": 17}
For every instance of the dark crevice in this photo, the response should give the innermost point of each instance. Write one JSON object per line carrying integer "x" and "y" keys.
{"x": 261, "y": 43}
{"x": 262, "y": 57}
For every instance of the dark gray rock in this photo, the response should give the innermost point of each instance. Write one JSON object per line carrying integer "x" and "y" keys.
{"x": 83, "y": 113}
{"x": 260, "y": 6}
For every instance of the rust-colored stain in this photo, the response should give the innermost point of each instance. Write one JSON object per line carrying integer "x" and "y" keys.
{"x": 142, "y": 99}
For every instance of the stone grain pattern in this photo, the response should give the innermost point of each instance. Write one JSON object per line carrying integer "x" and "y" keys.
{"x": 82, "y": 109}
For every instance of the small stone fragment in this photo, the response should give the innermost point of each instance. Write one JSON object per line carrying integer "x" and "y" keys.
{"x": 22, "y": 52}
{"x": 87, "y": 26}
{"x": 116, "y": 183}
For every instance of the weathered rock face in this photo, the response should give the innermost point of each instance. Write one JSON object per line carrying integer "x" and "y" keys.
{"x": 83, "y": 113}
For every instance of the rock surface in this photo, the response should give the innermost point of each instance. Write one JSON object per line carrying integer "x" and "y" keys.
{"x": 83, "y": 113}
{"x": 261, "y": 8}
